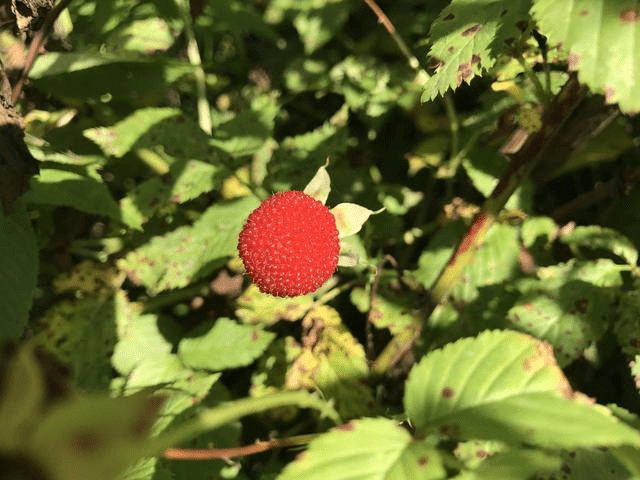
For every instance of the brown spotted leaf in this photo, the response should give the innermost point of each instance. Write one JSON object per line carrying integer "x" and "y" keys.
{"x": 468, "y": 36}
{"x": 601, "y": 39}
{"x": 504, "y": 385}
{"x": 372, "y": 449}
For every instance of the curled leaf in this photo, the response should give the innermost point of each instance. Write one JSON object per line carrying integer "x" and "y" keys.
{"x": 350, "y": 217}
{"x": 320, "y": 185}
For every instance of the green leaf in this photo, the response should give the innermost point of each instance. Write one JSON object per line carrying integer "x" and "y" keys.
{"x": 177, "y": 258}
{"x": 18, "y": 271}
{"x": 467, "y": 38}
{"x": 119, "y": 138}
{"x": 254, "y": 307}
{"x": 518, "y": 464}
{"x": 504, "y": 385}
{"x": 495, "y": 261}
{"x": 145, "y": 35}
{"x": 596, "y": 237}
{"x": 601, "y": 38}
{"x": 367, "y": 449}
{"x": 187, "y": 180}
{"x": 86, "y": 193}
{"x": 94, "y": 75}
{"x": 225, "y": 345}
{"x": 319, "y": 25}
{"x": 392, "y": 311}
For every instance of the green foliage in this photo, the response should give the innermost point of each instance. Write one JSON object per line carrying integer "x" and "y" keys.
{"x": 483, "y": 324}
{"x": 19, "y": 266}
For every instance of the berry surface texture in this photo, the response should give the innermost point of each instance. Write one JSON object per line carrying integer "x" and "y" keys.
{"x": 289, "y": 244}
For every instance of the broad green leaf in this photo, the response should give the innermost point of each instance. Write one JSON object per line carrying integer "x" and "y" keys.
{"x": 319, "y": 25}
{"x": 93, "y": 75}
{"x": 516, "y": 465}
{"x": 467, "y": 38}
{"x": 95, "y": 437}
{"x": 596, "y": 237}
{"x": 253, "y": 307}
{"x": 627, "y": 326}
{"x": 601, "y": 38}
{"x": 187, "y": 180}
{"x": 569, "y": 314}
{"x": 177, "y": 258}
{"x": 535, "y": 227}
{"x": 86, "y": 193}
{"x": 366, "y": 449}
{"x": 145, "y": 35}
{"x": 81, "y": 333}
{"x": 118, "y": 139}
{"x": 18, "y": 271}
{"x": 495, "y": 261}
{"x": 319, "y": 186}
{"x": 504, "y": 385}
{"x": 226, "y": 344}
{"x": 350, "y": 217}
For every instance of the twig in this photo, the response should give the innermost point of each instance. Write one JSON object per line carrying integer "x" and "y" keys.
{"x": 227, "y": 453}
{"x": 36, "y": 45}
{"x": 384, "y": 20}
{"x": 373, "y": 299}
{"x": 522, "y": 163}
{"x": 193, "y": 53}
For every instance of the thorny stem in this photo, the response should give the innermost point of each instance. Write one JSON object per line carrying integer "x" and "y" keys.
{"x": 193, "y": 53}
{"x": 522, "y": 162}
{"x": 228, "y": 453}
{"x": 36, "y": 45}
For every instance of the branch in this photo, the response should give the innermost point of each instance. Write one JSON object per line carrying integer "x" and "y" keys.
{"x": 37, "y": 43}
{"x": 521, "y": 165}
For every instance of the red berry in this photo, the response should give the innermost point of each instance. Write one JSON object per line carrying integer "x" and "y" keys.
{"x": 289, "y": 245}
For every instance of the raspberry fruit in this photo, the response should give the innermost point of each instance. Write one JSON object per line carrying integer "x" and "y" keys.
{"x": 289, "y": 245}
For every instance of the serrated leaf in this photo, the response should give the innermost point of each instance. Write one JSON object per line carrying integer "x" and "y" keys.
{"x": 350, "y": 217}
{"x": 93, "y": 437}
{"x": 569, "y": 314}
{"x": 187, "y": 180}
{"x": 226, "y": 344}
{"x": 504, "y": 385}
{"x": 367, "y": 449}
{"x": 467, "y": 38}
{"x": 597, "y": 237}
{"x": 319, "y": 186}
{"x": 18, "y": 271}
{"x": 119, "y": 138}
{"x": 86, "y": 193}
{"x": 601, "y": 38}
{"x": 177, "y": 258}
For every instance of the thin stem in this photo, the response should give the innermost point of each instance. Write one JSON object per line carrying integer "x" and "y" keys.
{"x": 37, "y": 43}
{"x": 193, "y": 54}
{"x": 373, "y": 300}
{"x": 541, "y": 93}
{"x": 245, "y": 450}
{"x": 384, "y": 20}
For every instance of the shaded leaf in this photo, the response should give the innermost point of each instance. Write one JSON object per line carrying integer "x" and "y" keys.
{"x": 86, "y": 193}
{"x": 177, "y": 258}
{"x": 595, "y": 237}
{"x": 18, "y": 271}
{"x": 225, "y": 345}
